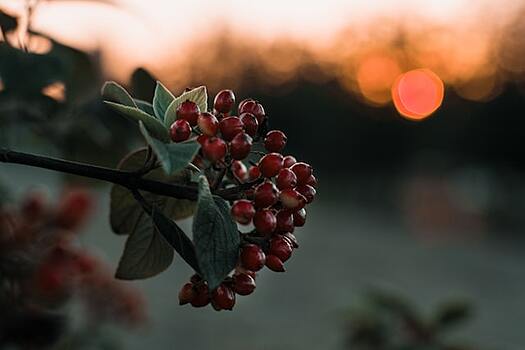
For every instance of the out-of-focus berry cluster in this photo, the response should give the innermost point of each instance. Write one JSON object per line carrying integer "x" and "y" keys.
{"x": 239, "y": 150}
{"x": 42, "y": 269}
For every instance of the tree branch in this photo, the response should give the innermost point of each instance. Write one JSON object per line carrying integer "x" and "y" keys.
{"x": 127, "y": 179}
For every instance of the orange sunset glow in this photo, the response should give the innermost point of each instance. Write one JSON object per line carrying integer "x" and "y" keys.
{"x": 364, "y": 45}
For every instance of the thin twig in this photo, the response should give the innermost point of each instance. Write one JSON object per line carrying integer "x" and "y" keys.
{"x": 126, "y": 179}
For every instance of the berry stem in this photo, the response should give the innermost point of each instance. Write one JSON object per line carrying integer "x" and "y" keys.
{"x": 218, "y": 180}
{"x": 259, "y": 153}
{"x": 127, "y": 179}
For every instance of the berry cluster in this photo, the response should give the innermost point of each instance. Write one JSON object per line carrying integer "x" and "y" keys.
{"x": 274, "y": 202}
{"x": 41, "y": 268}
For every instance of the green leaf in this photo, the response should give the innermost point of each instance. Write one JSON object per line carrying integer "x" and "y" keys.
{"x": 144, "y": 106}
{"x": 174, "y": 235}
{"x": 146, "y": 253}
{"x": 115, "y": 93}
{"x": 153, "y": 125}
{"x": 390, "y": 302}
{"x": 452, "y": 313}
{"x": 197, "y": 95}
{"x": 215, "y": 235}
{"x": 123, "y": 205}
{"x": 161, "y": 100}
{"x": 174, "y": 157}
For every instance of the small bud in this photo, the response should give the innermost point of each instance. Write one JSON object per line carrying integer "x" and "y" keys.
{"x": 243, "y": 284}
{"x": 299, "y": 218}
{"x": 274, "y": 263}
{"x": 223, "y": 298}
{"x": 202, "y": 295}
{"x": 252, "y": 257}
{"x": 187, "y": 294}
{"x": 281, "y": 248}
{"x": 292, "y": 199}
{"x": 308, "y": 192}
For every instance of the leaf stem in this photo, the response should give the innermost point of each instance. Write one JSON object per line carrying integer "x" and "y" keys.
{"x": 142, "y": 201}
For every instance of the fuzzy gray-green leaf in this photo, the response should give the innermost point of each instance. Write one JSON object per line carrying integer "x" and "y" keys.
{"x": 215, "y": 236}
{"x": 146, "y": 252}
{"x": 144, "y": 106}
{"x": 113, "y": 92}
{"x": 123, "y": 205}
{"x": 161, "y": 100}
{"x": 174, "y": 157}
{"x": 153, "y": 125}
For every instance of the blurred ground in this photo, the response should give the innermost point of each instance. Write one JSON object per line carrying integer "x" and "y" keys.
{"x": 346, "y": 247}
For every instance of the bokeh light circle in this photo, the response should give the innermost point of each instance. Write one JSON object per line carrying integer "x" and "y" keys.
{"x": 417, "y": 93}
{"x": 375, "y": 75}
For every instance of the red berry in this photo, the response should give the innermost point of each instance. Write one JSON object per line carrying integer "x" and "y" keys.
{"x": 307, "y": 191}
{"x": 208, "y": 124}
{"x": 202, "y": 295}
{"x": 240, "y": 269}
{"x": 274, "y": 263}
{"x": 281, "y": 248}
{"x": 188, "y": 111}
{"x": 202, "y": 138}
{"x": 284, "y": 221}
{"x": 254, "y": 108}
{"x": 239, "y": 170}
{"x": 286, "y": 179}
{"x": 224, "y": 101}
{"x": 243, "y": 211}
{"x": 186, "y": 294}
{"x": 252, "y": 257}
{"x": 291, "y": 238}
{"x": 241, "y": 104}
{"x": 312, "y": 181}
{"x": 250, "y": 123}
{"x": 270, "y": 164}
{"x": 288, "y": 161}
{"x": 243, "y": 284}
{"x": 241, "y": 146}
{"x": 265, "y": 195}
{"x": 223, "y": 298}
{"x": 34, "y": 206}
{"x": 302, "y": 171}
{"x": 299, "y": 218}
{"x": 180, "y": 130}
{"x": 74, "y": 208}
{"x": 275, "y": 141}
{"x": 292, "y": 199}
{"x": 254, "y": 173}
{"x": 214, "y": 149}
{"x": 264, "y": 221}
{"x": 230, "y": 126}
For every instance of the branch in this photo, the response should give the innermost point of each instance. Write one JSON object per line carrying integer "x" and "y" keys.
{"x": 127, "y": 179}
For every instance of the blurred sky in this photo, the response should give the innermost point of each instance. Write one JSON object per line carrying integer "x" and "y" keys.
{"x": 474, "y": 46}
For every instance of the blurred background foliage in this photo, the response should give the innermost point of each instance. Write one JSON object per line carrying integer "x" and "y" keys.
{"x": 432, "y": 208}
